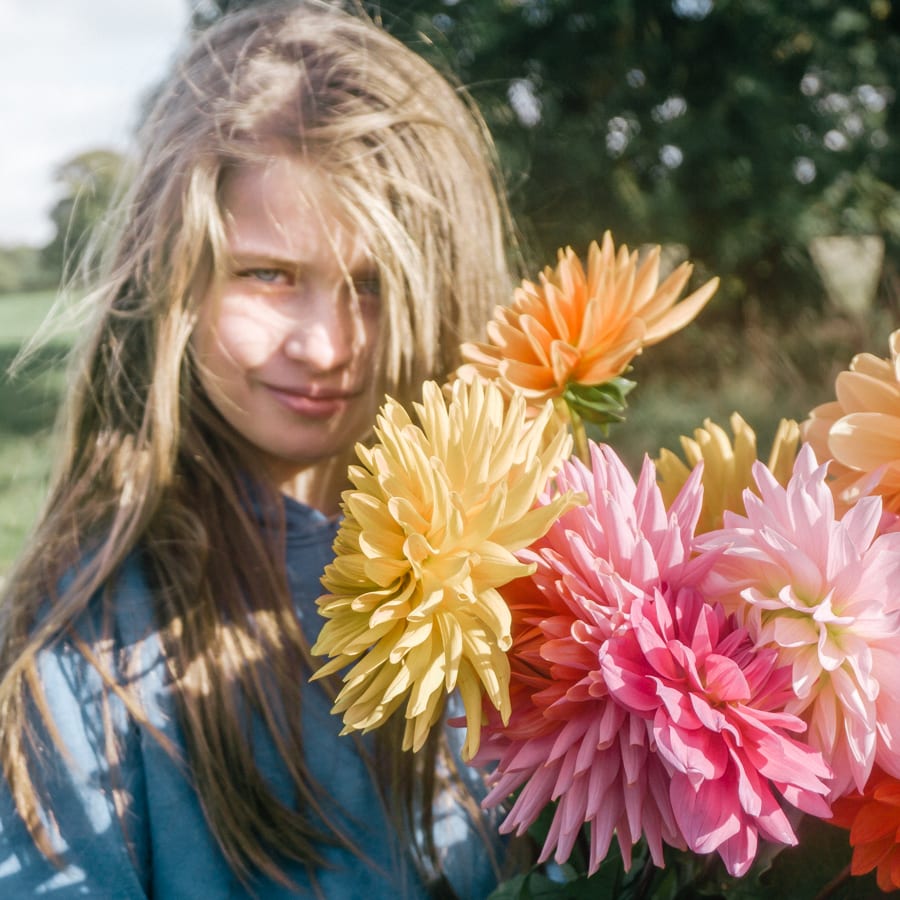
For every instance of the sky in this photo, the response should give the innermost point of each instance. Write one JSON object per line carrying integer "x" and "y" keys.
{"x": 72, "y": 73}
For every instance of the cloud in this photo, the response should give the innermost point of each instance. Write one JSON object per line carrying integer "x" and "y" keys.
{"x": 73, "y": 75}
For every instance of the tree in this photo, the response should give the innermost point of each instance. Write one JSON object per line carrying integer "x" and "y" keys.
{"x": 737, "y": 128}
{"x": 89, "y": 182}
{"x": 21, "y": 269}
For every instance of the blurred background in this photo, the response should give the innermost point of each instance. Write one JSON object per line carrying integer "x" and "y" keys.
{"x": 758, "y": 139}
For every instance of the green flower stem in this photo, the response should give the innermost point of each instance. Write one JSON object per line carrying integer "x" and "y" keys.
{"x": 579, "y": 435}
{"x": 566, "y": 411}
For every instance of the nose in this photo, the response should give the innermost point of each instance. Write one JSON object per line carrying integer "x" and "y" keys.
{"x": 322, "y": 331}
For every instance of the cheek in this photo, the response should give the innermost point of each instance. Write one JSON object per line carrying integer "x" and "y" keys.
{"x": 236, "y": 336}
{"x": 371, "y": 349}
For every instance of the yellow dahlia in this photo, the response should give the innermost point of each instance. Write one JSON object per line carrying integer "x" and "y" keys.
{"x": 577, "y": 328}
{"x": 429, "y": 534}
{"x": 859, "y": 432}
{"x": 726, "y": 466}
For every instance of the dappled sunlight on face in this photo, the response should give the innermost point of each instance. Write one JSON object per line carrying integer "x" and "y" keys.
{"x": 286, "y": 337}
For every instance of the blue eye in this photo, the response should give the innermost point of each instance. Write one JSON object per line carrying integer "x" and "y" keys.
{"x": 269, "y": 276}
{"x": 368, "y": 287}
{"x": 266, "y": 275}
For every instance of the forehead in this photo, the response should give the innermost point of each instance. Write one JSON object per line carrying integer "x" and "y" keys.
{"x": 285, "y": 209}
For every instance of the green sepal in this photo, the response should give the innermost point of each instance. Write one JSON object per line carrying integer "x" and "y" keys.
{"x": 599, "y": 404}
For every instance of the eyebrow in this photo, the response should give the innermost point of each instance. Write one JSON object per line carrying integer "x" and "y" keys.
{"x": 247, "y": 258}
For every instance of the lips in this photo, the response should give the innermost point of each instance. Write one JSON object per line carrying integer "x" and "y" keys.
{"x": 312, "y": 402}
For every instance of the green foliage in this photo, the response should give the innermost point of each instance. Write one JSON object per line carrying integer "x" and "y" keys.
{"x": 818, "y": 867}
{"x": 21, "y": 313}
{"x": 571, "y": 882}
{"x": 22, "y": 269}
{"x": 24, "y": 470}
{"x": 89, "y": 181}
{"x": 738, "y": 129}
{"x": 28, "y": 405}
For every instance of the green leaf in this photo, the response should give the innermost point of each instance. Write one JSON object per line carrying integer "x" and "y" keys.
{"x": 511, "y": 889}
{"x": 536, "y": 886}
{"x": 815, "y": 868}
{"x": 804, "y": 871}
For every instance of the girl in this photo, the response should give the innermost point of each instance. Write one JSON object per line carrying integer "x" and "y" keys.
{"x": 314, "y": 220}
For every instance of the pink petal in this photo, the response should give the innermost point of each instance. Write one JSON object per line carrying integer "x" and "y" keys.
{"x": 706, "y": 815}
{"x": 725, "y": 679}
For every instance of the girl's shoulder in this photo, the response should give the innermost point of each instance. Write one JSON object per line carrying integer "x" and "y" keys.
{"x": 112, "y": 643}
{"x": 118, "y": 614}
{"x": 84, "y": 755}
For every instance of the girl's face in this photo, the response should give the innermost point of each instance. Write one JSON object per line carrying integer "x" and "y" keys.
{"x": 286, "y": 340}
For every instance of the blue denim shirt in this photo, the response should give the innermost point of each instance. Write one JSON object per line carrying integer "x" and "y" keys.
{"x": 163, "y": 847}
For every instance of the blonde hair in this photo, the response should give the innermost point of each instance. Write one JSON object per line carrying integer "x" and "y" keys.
{"x": 148, "y": 462}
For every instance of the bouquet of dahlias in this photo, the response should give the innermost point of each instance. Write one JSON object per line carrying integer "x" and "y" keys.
{"x": 702, "y": 663}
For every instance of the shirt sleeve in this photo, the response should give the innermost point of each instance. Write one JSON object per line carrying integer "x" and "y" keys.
{"x": 103, "y": 852}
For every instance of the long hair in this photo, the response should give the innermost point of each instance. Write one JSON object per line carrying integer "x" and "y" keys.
{"x": 148, "y": 463}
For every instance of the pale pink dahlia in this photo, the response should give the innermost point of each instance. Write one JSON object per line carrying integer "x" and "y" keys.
{"x": 823, "y": 593}
{"x": 629, "y": 706}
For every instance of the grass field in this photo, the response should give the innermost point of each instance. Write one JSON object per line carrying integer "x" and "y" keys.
{"x": 22, "y": 314}
{"x": 28, "y": 406}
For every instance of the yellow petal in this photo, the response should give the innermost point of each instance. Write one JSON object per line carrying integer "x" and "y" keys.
{"x": 414, "y": 636}
{"x": 470, "y": 693}
{"x": 426, "y": 663}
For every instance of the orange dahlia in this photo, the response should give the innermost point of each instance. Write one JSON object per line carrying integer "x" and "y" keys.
{"x": 582, "y": 328}
{"x": 860, "y": 430}
{"x": 874, "y": 822}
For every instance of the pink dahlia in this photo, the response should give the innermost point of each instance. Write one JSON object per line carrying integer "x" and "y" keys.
{"x": 822, "y": 592}
{"x": 634, "y": 705}
{"x": 717, "y": 723}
